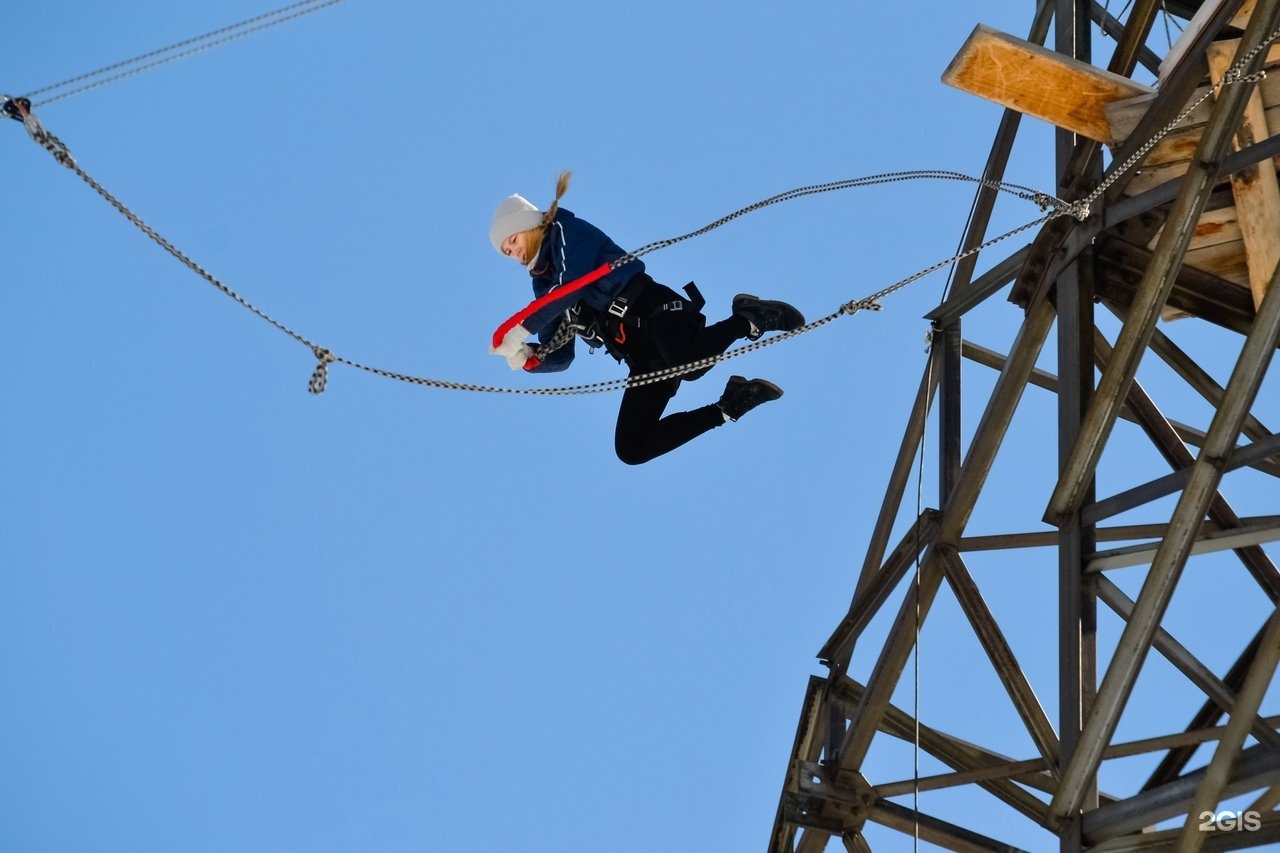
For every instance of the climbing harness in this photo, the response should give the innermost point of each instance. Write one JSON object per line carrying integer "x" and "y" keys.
{"x": 174, "y": 52}
{"x": 19, "y": 108}
{"x": 623, "y": 313}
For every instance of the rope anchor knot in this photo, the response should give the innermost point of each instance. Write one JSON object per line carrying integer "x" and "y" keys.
{"x": 320, "y": 377}
{"x": 15, "y": 108}
{"x": 1237, "y": 75}
{"x": 868, "y": 304}
{"x": 19, "y": 109}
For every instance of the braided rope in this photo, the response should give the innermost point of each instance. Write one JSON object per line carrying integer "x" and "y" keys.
{"x": 195, "y": 45}
{"x": 1080, "y": 210}
{"x": 62, "y": 154}
{"x": 1043, "y": 200}
{"x": 325, "y": 357}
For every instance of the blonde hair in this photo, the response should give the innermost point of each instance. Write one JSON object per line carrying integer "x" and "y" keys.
{"x": 562, "y": 186}
{"x": 536, "y": 234}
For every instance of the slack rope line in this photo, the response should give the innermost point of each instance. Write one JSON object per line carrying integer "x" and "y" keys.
{"x": 174, "y": 52}
{"x": 20, "y": 109}
{"x": 1044, "y": 200}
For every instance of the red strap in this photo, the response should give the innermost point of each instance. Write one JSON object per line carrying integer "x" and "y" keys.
{"x": 540, "y": 303}
{"x": 532, "y": 362}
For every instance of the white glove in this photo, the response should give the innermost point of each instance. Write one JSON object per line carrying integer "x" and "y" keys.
{"x": 516, "y": 360}
{"x": 511, "y": 342}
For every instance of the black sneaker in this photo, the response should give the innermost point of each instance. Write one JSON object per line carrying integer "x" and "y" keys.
{"x": 766, "y": 315}
{"x": 742, "y": 395}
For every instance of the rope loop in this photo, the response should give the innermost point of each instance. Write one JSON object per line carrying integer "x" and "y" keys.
{"x": 869, "y": 303}
{"x": 1044, "y": 201}
{"x": 1080, "y": 210}
{"x": 14, "y": 108}
{"x": 20, "y": 109}
{"x": 1237, "y": 75}
{"x": 320, "y": 377}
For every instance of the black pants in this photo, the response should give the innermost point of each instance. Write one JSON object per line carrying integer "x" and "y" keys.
{"x": 666, "y": 339}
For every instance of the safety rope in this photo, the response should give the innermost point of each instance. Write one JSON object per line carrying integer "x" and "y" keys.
{"x": 1044, "y": 200}
{"x": 198, "y": 44}
{"x": 20, "y": 108}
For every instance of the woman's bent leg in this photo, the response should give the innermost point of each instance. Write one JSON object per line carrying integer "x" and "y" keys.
{"x": 643, "y": 433}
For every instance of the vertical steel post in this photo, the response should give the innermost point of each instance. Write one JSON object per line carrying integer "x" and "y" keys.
{"x": 1077, "y": 609}
{"x": 949, "y": 409}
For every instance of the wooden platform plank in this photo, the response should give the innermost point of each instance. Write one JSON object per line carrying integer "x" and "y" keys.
{"x": 1123, "y": 116}
{"x": 1214, "y": 228}
{"x": 1243, "y": 14}
{"x": 1227, "y": 261}
{"x": 1038, "y": 82}
{"x": 1255, "y": 189}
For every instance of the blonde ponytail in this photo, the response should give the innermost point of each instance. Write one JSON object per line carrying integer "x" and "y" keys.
{"x": 536, "y": 234}
{"x": 562, "y": 186}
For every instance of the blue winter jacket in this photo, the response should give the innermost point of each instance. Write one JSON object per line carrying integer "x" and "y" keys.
{"x": 571, "y": 248}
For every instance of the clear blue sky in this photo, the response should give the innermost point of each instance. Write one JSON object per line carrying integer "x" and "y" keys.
{"x": 234, "y": 616}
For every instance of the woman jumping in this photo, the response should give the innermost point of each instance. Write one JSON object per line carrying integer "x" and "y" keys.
{"x": 637, "y": 320}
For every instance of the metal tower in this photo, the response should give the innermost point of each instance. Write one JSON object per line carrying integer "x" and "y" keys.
{"x": 1143, "y": 251}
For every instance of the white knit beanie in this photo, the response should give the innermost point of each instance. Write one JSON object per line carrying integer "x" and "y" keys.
{"x": 514, "y": 214}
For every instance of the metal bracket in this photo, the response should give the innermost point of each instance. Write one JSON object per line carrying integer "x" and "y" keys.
{"x": 833, "y": 801}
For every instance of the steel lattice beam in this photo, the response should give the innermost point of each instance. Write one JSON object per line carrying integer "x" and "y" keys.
{"x": 1058, "y": 280}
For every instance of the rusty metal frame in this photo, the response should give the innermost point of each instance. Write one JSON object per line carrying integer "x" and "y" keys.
{"x": 1059, "y": 280}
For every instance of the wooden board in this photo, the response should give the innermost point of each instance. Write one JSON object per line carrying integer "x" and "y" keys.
{"x": 1255, "y": 189}
{"x": 1123, "y": 116}
{"x": 1170, "y": 157}
{"x": 1039, "y": 82}
{"x": 1243, "y": 14}
{"x": 1216, "y": 247}
{"x": 1212, "y": 229}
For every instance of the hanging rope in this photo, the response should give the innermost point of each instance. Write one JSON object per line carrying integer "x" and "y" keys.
{"x": 1044, "y": 200}
{"x": 174, "y": 52}
{"x": 20, "y": 109}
